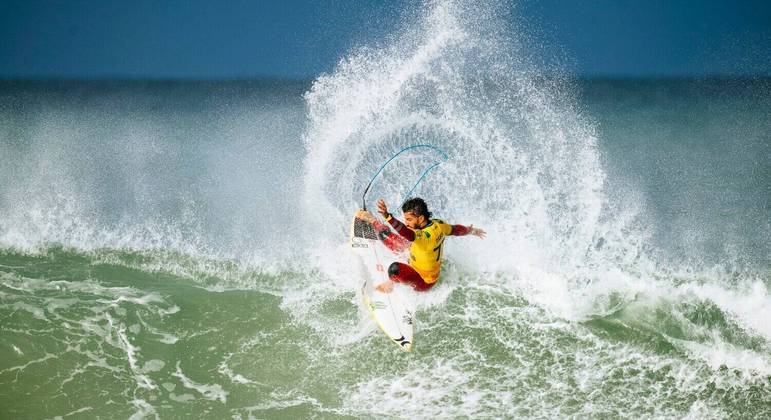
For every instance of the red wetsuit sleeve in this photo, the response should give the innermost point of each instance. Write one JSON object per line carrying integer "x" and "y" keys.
{"x": 393, "y": 242}
{"x": 402, "y": 230}
{"x": 460, "y": 230}
{"x": 379, "y": 226}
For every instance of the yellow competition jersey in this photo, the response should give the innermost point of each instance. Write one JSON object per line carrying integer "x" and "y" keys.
{"x": 426, "y": 249}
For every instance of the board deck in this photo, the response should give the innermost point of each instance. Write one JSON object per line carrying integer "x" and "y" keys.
{"x": 393, "y": 312}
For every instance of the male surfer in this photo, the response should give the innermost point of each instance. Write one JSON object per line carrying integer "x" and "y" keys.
{"x": 427, "y": 236}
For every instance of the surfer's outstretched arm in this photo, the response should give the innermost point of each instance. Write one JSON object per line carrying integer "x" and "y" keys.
{"x": 460, "y": 230}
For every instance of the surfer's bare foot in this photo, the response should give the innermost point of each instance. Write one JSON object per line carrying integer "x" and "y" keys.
{"x": 385, "y": 287}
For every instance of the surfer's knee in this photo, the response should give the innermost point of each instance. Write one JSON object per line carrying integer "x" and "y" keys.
{"x": 393, "y": 269}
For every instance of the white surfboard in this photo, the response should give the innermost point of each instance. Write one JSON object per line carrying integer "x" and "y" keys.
{"x": 393, "y": 312}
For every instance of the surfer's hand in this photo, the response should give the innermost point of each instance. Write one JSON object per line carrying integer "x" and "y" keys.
{"x": 365, "y": 216}
{"x": 382, "y": 209}
{"x": 477, "y": 231}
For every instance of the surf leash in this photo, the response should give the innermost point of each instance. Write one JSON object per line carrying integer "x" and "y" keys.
{"x": 422, "y": 176}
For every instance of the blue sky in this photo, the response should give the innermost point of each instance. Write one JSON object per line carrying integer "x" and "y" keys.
{"x": 300, "y": 39}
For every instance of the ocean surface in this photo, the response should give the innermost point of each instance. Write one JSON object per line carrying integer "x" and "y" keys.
{"x": 177, "y": 249}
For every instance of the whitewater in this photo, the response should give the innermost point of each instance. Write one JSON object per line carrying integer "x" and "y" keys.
{"x": 176, "y": 249}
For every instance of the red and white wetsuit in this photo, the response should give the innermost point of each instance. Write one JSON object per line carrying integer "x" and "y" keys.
{"x": 425, "y": 244}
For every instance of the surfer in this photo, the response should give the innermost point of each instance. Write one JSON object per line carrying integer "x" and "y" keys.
{"x": 427, "y": 237}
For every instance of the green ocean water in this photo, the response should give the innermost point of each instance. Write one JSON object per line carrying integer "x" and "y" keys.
{"x": 174, "y": 249}
{"x": 85, "y": 337}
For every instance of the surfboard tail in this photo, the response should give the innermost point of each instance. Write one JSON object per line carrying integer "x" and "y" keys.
{"x": 362, "y": 229}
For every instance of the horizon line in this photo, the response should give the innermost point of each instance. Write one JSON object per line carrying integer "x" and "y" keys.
{"x": 310, "y": 79}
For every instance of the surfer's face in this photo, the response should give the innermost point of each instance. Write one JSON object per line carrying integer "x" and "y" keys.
{"x": 412, "y": 221}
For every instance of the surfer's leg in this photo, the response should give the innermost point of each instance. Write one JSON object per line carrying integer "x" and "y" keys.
{"x": 403, "y": 273}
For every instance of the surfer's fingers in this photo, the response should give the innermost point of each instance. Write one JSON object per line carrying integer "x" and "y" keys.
{"x": 381, "y": 207}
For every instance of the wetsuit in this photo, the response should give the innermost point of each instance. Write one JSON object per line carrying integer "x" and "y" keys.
{"x": 425, "y": 261}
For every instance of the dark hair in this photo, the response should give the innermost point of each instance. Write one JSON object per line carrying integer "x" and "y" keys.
{"x": 417, "y": 207}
